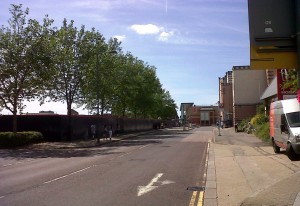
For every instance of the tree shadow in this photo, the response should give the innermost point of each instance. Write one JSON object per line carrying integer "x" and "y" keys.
{"x": 104, "y": 148}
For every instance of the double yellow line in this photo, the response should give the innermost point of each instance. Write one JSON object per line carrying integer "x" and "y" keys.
{"x": 200, "y": 194}
{"x": 194, "y": 198}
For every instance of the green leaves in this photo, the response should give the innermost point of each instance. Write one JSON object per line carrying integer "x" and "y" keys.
{"x": 75, "y": 65}
{"x": 22, "y": 59}
{"x": 292, "y": 80}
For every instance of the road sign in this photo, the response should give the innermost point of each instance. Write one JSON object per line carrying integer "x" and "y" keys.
{"x": 272, "y": 31}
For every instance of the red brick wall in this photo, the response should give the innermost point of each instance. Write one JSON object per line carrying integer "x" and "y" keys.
{"x": 242, "y": 112}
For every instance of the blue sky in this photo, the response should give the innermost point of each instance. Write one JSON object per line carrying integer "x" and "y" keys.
{"x": 191, "y": 42}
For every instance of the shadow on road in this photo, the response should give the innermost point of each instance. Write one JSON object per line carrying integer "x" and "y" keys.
{"x": 62, "y": 150}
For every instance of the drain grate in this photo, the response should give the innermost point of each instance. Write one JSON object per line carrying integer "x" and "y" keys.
{"x": 195, "y": 188}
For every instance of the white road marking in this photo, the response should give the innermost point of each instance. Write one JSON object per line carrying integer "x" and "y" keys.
{"x": 145, "y": 189}
{"x": 144, "y": 146}
{"x": 149, "y": 187}
{"x": 53, "y": 180}
{"x": 7, "y": 165}
{"x": 166, "y": 182}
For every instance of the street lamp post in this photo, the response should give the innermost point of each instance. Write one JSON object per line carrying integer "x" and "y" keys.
{"x": 219, "y": 125}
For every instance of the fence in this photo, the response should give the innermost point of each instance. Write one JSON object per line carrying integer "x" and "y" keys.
{"x": 55, "y": 127}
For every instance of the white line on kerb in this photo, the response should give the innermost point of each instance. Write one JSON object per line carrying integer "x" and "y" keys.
{"x": 2, "y": 197}
{"x": 66, "y": 175}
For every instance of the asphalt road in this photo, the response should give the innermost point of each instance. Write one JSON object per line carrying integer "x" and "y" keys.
{"x": 152, "y": 169}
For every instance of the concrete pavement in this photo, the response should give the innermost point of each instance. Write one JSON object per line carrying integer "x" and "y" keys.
{"x": 243, "y": 170}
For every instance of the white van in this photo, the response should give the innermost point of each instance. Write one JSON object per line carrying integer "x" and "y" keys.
{"x": 285, "y": 126}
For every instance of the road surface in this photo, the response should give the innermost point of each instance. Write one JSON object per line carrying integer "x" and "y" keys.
{"x": 159, "y": 168}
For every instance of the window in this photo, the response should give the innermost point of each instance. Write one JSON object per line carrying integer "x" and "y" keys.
{"x": 293, "y": 119}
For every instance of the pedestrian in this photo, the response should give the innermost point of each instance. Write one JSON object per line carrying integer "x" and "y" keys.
{"x": 110, "y": 132}
{"x": 105, "y": 132}
{"x": 93, "y": 131}
{"x": 236, "y": 126}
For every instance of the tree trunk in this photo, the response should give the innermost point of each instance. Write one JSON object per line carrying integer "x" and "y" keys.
{"x": 124, "y": 109}
{"x": 70, "y": 132}
{"x": 102, "y": 106}
{"x": 15, "y": 122}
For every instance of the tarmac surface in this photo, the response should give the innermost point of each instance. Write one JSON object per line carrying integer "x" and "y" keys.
{"x": 84, "y": 143}
{"x": 243, "y": 170}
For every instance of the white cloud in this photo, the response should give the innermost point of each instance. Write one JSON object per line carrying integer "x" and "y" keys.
{"x": 146, "y": 29}
{"x": 151, "y": 29}
{"x": 164, "y": 36}
{"x": 120, "y": 37}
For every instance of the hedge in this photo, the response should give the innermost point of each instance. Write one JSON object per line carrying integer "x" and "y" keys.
{"x": 9, "y": 139}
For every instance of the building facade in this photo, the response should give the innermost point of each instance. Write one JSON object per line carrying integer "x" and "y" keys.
{"x": 247, "y": 87}
{"x": 201, "y": 115}
{"x": 226, "y": 99}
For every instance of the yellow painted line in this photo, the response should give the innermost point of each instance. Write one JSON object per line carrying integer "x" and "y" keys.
{"x": 200, "y": 199}
{"x": 193, "y": 199}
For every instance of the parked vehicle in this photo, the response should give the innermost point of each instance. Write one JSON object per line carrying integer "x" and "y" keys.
{"x": 285, "y": 127}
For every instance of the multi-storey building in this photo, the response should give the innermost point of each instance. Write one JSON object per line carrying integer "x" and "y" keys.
{"x": 226, "y": 98}
{"x": 239, "y": 95}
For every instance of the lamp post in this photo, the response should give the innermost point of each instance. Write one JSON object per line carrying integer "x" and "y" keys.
{"x": 219, "y": 125}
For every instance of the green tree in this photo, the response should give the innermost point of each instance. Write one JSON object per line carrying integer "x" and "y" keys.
{"x": 124, "y": 84}
{"x": 108, "y": 75}
{"x": 98, "y": 89}
{"x": 138, "y": 91}
{"x": 71, "y": 53}
{"x": 292, "y": 80}
{"x": 166, "y": 107}
{"x": 24, "y": 59}
{"x": 148, "y": 86}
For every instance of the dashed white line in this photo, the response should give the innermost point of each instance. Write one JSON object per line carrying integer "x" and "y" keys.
{"x": 53, "y": 180}
{"x": 144, "y": 146}
{"x": 127, "y": 153}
